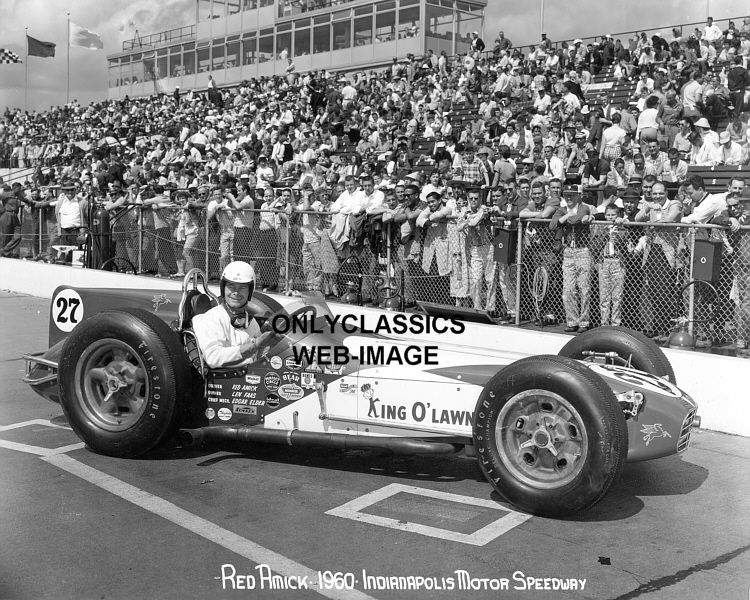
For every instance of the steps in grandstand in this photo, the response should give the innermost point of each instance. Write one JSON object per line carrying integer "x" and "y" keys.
{"x": 717, "y": 178}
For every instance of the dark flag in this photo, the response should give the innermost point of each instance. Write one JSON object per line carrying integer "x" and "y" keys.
{"x": 40, "y": 48}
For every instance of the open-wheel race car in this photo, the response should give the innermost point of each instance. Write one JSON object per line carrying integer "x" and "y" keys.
{"x": 551, "y": 432}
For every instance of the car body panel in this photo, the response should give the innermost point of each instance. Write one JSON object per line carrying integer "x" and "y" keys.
{"x": 417, "y": 401}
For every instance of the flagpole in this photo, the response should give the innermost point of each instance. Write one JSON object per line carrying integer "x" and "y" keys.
{"x": 67, "y": 78}
{"x": 26, "y": 74}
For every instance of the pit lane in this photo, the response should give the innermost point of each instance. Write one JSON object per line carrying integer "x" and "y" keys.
{"x": 79, "y": 525}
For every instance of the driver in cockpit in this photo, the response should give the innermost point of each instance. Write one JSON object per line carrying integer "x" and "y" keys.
{"x": 228, "y": 335}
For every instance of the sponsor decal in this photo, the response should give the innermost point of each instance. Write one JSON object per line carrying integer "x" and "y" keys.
{"x": 291, "y": 392}
{"x": 246, "y": 410}
{"x": 292, "y": 364}
{"x": 348, "y": 388}
{"x": 67, "y": 310}
{"x": 225, "y": 414}
{"x": 210, "y": 413}
{"x": 276, "y": 362}
{"x": 252, "y": 379}
{"x": 314, "y": 368}
{"x": 333, "y": 369}
{"x": 653, "y": 431}
{"x": 289, "y": 377}
{"x": 271, "y": 381}
{"x": 159, "y": 301}
{"x": 272, "y": 401}
{"x": 308, "y": 381}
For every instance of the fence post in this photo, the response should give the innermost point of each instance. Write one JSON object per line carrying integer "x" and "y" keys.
{"x": 204, "y": 214}
{"x": 519, "y": 260}
{"x": 691, "y": 293}
{"x": 140, "y": 239}
{"x": 42, "y": 223}
{"x": 287, "y": 287}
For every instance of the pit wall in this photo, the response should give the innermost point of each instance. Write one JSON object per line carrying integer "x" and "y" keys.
{"x": 720, "y": 384}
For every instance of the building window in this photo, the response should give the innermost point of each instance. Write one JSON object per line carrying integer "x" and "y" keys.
{"x": 302, "y": 42}
{"x": 249, "y": 4}
{"x": 217, "y": 55}
{"x": 342, "y": 35}
{"x": 385, "y": 27}
{"x": 363, "y": 31}
{"x": 114, "y": 72}
{"x": 465, "y": 24}
{"x": 204, "y": 59}
{"x": 161, "y": 67}
{"x": 249, "y": 51}
{"x": 188, "y": 58}
{"x": 408, "y": 22}
{"x": 233, "y": 53}
{"x": 126, "y": 71}
{"x": 283, "y": 45}
{"x": 439, "y": 22}
{"x": 265, "y": 47}
{"x": 233, "y": 7}
{"x": 136, "y": 75}
{"x": 176, "y": 68}
{"x": 322, "y": 38}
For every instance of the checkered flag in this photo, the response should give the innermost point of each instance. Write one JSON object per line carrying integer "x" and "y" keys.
{"x": 7, "y": 57}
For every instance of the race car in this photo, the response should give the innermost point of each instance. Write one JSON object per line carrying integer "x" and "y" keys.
{"x": 551, "y": 432}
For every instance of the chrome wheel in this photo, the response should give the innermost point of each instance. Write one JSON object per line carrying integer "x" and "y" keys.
{"x": 112, "y": 388}
{"x": 541, "y": 439}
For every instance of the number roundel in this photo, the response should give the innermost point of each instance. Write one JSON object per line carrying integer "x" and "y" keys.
{"x": 67, "y": 310}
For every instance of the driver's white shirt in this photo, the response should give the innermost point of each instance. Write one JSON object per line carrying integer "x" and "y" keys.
{"x": 219, "y": 341}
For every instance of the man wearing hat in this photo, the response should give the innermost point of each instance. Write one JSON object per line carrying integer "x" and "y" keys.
{"x": 735, "y": 215}
{"x": 633, "y": 285}
{"x": 728, "y": 152}
{"x": 571, "y": 225}
{"x": 70, "y": 210}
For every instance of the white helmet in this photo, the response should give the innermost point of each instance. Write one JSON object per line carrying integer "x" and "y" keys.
{"x": 238, "y": 272}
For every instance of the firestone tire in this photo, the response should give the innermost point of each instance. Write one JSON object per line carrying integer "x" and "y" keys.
{"x": 645, "y": 355}
{"x": 122, "y": 378}
{"x": 549, "y": 435}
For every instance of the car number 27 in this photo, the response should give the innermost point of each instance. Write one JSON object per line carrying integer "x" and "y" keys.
{"x": 67, "y": 310}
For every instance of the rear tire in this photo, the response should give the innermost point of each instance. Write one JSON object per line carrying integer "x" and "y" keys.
{"x": 644, "y": 354}
{"x": 549, "y": 435}
{"x": 123, "y": 377}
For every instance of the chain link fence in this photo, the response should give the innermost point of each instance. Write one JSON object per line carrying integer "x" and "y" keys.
{"x": 637, "y": 275}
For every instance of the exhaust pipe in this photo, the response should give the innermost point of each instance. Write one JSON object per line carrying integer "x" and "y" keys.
{"x": 253, "y": 434}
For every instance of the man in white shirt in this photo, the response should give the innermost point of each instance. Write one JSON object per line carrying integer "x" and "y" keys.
{"x": 227, "y": 335}
{"x": 711, "y": 32}
{"x": 69, "y": 211}
{"x": 728, "y": 152}
{"x": 554, "y": 167}
{"x": 351, "y": 200}
{"x": 706, "y": 206}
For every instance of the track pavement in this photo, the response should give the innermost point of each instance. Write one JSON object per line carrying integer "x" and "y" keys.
{"x": 170, "y": 525}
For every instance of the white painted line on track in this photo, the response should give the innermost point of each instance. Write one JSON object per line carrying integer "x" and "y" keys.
{"x": 211, "y": 531}
{"x": 352, "y": 510}
{"x": 44, "y": 422}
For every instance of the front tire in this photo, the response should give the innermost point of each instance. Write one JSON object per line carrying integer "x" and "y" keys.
{"x": 631, "y": 346}
{"x": 122, "y": 376}
{"x": 550, "y": 435}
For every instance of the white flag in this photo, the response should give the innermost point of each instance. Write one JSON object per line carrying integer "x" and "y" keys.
{"x": 80, "y": 36}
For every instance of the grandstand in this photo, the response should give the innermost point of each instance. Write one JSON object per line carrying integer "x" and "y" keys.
{"x": 398, "y": 123}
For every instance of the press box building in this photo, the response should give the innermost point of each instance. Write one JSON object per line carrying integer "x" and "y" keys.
{"x": 233, "y": 40}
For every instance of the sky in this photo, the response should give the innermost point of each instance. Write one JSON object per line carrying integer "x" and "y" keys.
{"x": 47, "y": 20}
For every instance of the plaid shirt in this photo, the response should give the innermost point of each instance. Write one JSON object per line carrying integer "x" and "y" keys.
{"x": 474, "y": 171}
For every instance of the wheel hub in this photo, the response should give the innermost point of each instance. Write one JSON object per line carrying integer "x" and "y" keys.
{"x": 541, "y": 439}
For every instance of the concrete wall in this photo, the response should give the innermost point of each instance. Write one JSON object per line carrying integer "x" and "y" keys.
{"x": 720, "y": 385}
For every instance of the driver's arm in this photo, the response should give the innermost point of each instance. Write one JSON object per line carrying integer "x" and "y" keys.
{"x": 214, "y": 335}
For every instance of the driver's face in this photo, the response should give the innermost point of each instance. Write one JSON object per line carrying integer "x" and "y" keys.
{"x": 236, "y": 295}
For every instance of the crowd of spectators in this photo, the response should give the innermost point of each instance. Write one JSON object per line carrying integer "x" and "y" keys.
{"x": 325, "y": 168}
